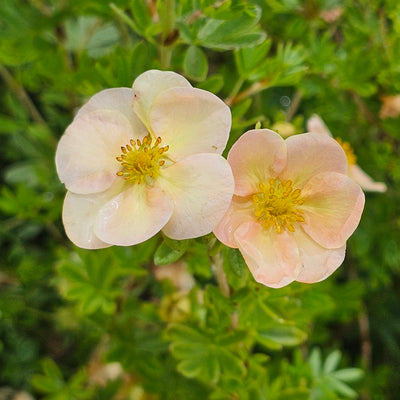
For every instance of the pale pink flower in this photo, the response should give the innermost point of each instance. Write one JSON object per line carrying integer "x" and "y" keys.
{"x": 293, "y": 208}
{"x": 317, "y": 125}
{"x": 137, "y": 161}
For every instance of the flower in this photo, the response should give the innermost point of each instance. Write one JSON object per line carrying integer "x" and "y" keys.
{"x": 137, "y": 161}
{"x": 293, "y": 207}
{"x": 317, "y": 125}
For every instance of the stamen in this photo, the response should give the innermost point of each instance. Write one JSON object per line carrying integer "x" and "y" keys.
{"x": 277, "y": 205}
{"x": 140, "y": 161}
{"x": 348, "y": 150}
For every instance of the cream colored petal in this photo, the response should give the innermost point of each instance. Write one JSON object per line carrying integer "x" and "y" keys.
{"x": 256, "y": 156}
{"x": 149, "y": 85}
{"x": 201, "y": 187}
{"x": 333, "y": 204}
{"x": 133, "y": 216}
{"x": 315, "y": 124}
{"x": 309, "y": 154}
{"x": 190, "y": 121}
{"x": 241, "y": 210}
{"x": 273, "y": 259}
{"x": 118, "y": 99}
{"x": 79, "y": 215}
{"x": 318, "y": 262}
{"x": 364, "y": 180}
{"x": 85, "y": 156}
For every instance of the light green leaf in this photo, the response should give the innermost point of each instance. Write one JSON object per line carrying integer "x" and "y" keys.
{"x": 332, "y": 361}
{"x": 348, "y": 374}
{"x": 285, "y": 335}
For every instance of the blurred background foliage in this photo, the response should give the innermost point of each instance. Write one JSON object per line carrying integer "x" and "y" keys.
{"x": 150, "y": 321}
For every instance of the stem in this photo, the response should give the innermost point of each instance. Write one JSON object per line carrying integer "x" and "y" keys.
{"x": 234, "y": 91}
{"x": 294, "y": 106}
{"x": 253, "y": 89}
{"x": 168, "y": 21}
{"x": 220, "y": 274}
{"x": 21, "y": 94}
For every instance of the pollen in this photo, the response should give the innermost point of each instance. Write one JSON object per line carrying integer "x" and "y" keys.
{"x": 348, "y": 150}
{"x": 141, "y": 160}
{"x": 277, "y": 205}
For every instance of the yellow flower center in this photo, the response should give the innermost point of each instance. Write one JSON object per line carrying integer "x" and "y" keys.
{"x": 141, "y": 160}
{"x": 276, "y": 205}
{"x": 348, "y": 150}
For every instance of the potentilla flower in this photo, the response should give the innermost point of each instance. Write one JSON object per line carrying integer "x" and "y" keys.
{"x": 293, "y": 207}
{"x": 137, "y": 161}
{"x": 317, "y": 125}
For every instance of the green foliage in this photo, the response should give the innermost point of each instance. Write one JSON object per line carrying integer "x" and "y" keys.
{"x": 67, "y": 314}
{"x": 53, "y": 385}
{"x": 205, "y": 356}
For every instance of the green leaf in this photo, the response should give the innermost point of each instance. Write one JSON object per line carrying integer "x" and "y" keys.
{"x": 232, "y": 33}
{"x": 285, "y": 335}
{"x": 202, "y": 355}
{"x": 141, "y": 15}
{"x": 250, "y": 61}
{"x": 169, "y": 251}
{"x": 51, "y": 381}
{"x": 332, "y": 361}
{"x": 236, "y": 262}
{"x": 341, "y": 388}
{"x": 348, "y": 374}
{"x": 90, "y": 280}
{"x": 195, "y": 64}
{"x": 213, "y": 84}
{"x": 315, "y": 362}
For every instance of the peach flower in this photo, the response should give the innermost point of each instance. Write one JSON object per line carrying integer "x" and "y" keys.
{"x": 137, "y": 161}
{"x": 293, "y": 207}
{"x": 317, "y": 125}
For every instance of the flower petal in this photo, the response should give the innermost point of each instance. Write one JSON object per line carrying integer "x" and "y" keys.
{"x": 149, "y": 85}
{"x": 190, "y": 121}
{"x": 85, "y": 156}
{"x": 364, "y": 180}
{"x": 273, "y": 259}
{"x": 133, "y": 216}
{"x": 318, "y": 262}
{"x": 256, "y": 156}
{"x": 315, "y": 124}
{"x": 241, "y": 210}
{"x": 309, "y": 154}
{"x": 333, "y": 204}
{"x": 79, "y": 215}
{"x": 119, "y": 99}
{"x": 201, "y": 187}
